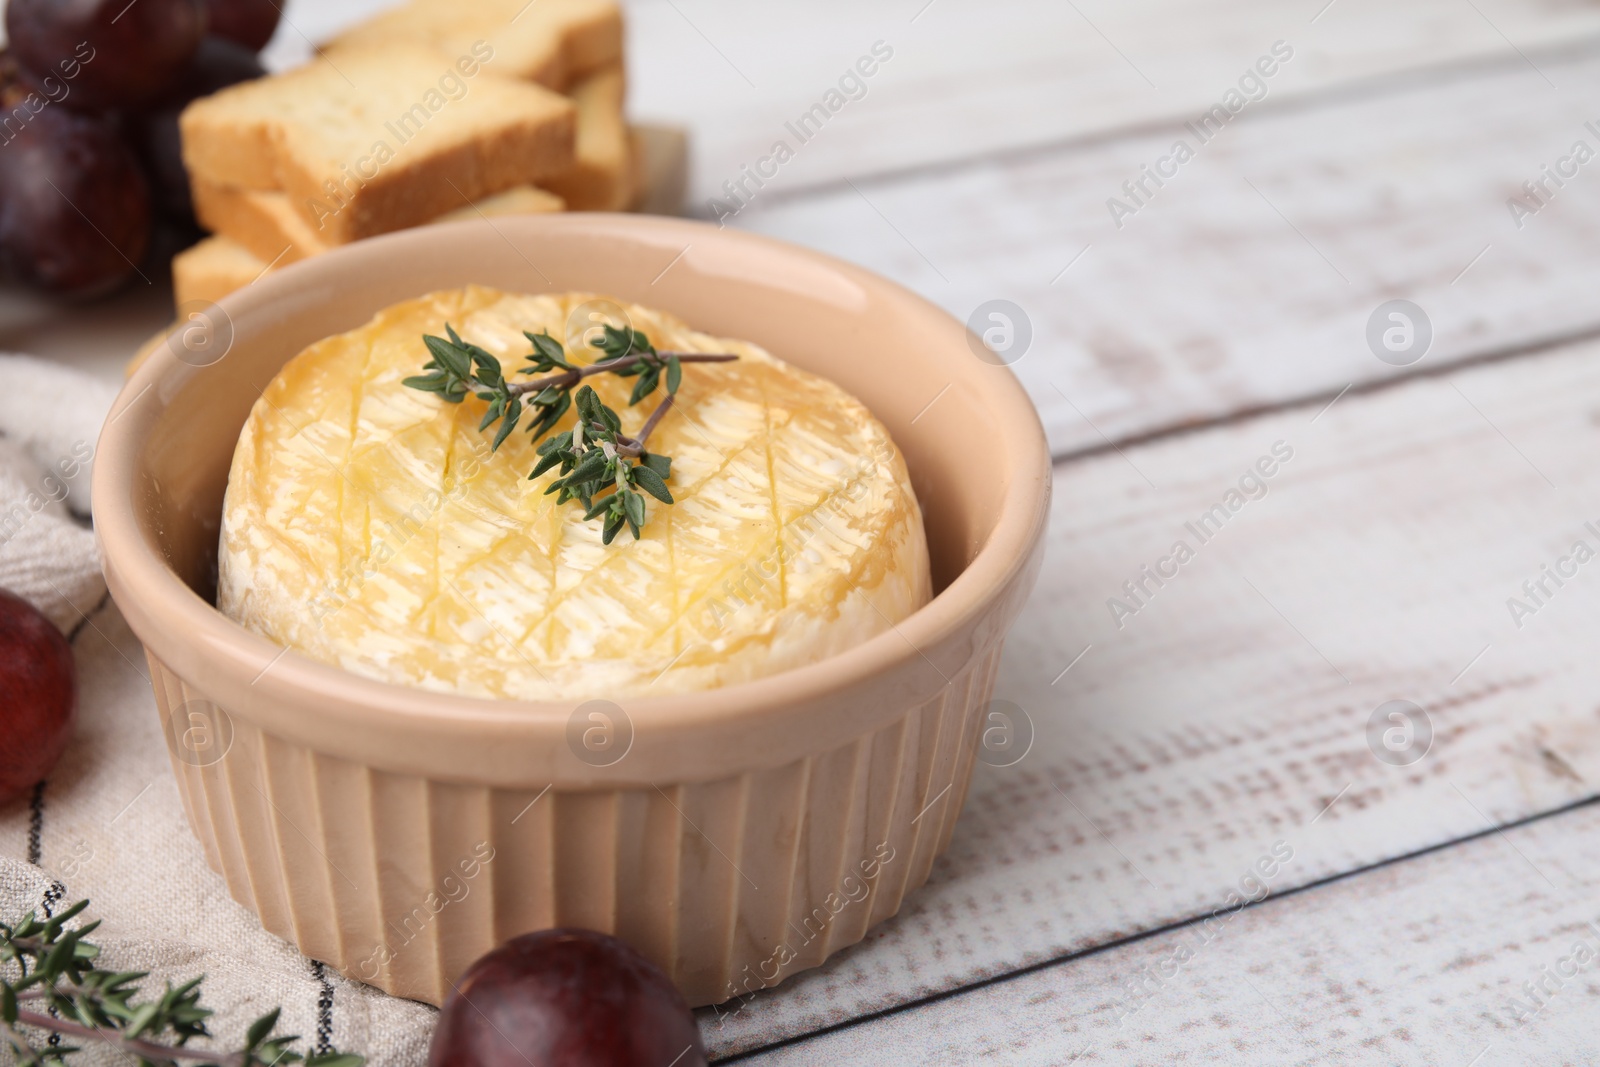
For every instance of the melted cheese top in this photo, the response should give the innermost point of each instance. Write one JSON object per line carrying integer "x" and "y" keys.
{"x": 368, "y": 525}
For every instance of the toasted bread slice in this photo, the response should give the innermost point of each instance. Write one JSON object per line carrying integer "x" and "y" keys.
{"x": 269, "y": 227}
{"x": 212, "y": 269}
{"x": 523, "y": 200}
{"x": 602, "y": 175}
{"x": 554, "y": 43}
{"x": 261, "y": 221}
{"x": 375, "y": 140}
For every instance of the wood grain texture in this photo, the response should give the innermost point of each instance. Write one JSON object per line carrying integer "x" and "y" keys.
{"x": 1419, "y": 962}
{"x": 967, "y": 80}
{"x": 1249, "y": 278}
{"x": 1233, "y": 707}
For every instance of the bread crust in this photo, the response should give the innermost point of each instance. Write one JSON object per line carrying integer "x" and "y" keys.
{"x": 212, "y": 269}
{"x": 367, "y": 142}
{"x": 266, "y": 224}
{"x": 554, "y": 43}
{"x": 602, "y": 176}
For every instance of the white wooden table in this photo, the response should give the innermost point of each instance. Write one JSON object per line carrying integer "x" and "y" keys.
{"x": 1413, "y": 890}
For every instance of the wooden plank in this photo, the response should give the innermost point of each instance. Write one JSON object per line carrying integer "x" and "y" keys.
{"x": 1233, "y": 706}
{"x": 1249, "y": 279}
{"x": 1420, "y": 962}
{"x": 969, "y": 80}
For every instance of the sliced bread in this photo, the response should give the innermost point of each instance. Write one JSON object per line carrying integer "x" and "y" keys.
{"x": 212, "y": 269}
{"x": 602, "y": 174}
{"x": 523, "y": 200}
{"x": 261, "y": 221}
{"x": 267, "y": 225}
{"x": 367, "y": 141}
{"x": 551, "y": 42}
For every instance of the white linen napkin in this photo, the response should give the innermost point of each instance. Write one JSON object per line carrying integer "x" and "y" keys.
{"x": 50, "y": 417}
{"x": 108, "y": 824}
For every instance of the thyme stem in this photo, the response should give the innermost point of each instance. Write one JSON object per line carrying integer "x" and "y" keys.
{"x": 633, "y": 447}
{"x": 49, "y": 980}
{"x": 150, "y": 1050}
{"x": 567, "y": 379}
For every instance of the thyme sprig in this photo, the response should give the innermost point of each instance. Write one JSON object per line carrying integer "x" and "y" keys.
{"x": 48, "y": 979}
{"x": 595, "y": 455}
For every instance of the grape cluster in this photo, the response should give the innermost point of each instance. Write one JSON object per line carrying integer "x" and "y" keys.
{"x": 91, "y": 176}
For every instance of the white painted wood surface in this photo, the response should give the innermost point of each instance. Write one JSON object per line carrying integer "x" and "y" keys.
{"x": 1249, "y": 278}
{"x": 1414, "y": 963}
{"x": 1233, "y": 707}
{"x": 1231, "y": 712}
{"x": 971, "y": 79}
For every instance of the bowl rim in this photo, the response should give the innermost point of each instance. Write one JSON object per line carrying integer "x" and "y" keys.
{"x": 176, "y": 623}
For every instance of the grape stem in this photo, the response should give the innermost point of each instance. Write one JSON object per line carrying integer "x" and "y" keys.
{"x": 569, "y": 378}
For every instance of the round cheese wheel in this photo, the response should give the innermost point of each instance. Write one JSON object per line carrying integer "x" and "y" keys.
{"x": 368, "y": 524}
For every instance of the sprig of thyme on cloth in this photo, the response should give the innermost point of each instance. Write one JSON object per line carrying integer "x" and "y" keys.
{"x": 49, "y": 981}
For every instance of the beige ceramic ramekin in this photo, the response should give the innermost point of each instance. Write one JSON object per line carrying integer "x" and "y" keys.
{"x": 749, "y": 831}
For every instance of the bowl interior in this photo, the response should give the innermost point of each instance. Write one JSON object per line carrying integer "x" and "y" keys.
{"x": 951, "y": 414}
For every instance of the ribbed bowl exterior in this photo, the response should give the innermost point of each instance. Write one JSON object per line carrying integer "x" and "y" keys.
{"x": 730, "y": 886}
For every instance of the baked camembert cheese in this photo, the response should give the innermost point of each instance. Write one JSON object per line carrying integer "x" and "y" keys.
{"x": 369, "y": 525}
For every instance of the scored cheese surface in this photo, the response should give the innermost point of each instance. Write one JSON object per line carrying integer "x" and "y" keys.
{"x": 368, "y": 525}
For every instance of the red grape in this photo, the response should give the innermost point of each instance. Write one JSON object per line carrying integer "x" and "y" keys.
{"x": 74, "y": 204}
{"x": 565, "y": 998}
{"x": 247, "y": 22}
{"x": 38, "y": 695}
{"x": 108, "y": 53}
{"x": 217, "y": 65}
